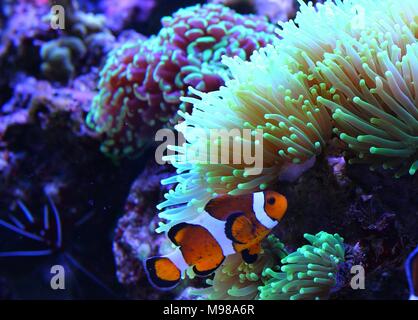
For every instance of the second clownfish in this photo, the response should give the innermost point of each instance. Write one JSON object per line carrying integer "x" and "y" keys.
{"x": 229, "y": 224}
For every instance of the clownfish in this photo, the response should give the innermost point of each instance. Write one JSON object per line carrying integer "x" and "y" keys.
{"x": 411, "y": 266}
{"x": 228, "y": 224}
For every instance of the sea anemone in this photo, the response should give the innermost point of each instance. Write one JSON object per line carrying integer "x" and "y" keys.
{"x": 375, "y": 103}
{"x": 276, "y": 105}
{"x": 236, "y": 279}
{"x": 368, "y": 56}
{"x": 142, "y": 83}
{"x": 309, "y": 273}
{"x": 352, "y": 64}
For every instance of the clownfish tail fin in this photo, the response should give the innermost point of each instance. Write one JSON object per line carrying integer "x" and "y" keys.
{"x": 162, "y": 272}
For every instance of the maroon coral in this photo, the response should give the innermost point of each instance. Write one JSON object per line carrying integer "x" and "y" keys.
{"x": 142, "y": 83}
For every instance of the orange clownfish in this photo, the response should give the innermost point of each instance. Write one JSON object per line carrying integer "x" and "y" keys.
{"x": 229, "y": 224}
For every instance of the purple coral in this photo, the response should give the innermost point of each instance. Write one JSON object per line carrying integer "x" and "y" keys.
{"x": 120, "y": 15}
{"x": 21, "y": 33}
{"x": 275, "y": 10}
{"x": 24, "y": 24}
{"x": 135, "y": 238}
{"x": 142, "y": 83}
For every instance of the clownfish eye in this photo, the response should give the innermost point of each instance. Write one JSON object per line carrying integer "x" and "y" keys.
{"x": 275, "y": 205}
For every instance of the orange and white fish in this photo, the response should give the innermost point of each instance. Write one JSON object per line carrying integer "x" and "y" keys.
{"x": 411, "y": 267}
{"x": 229, "y": 224}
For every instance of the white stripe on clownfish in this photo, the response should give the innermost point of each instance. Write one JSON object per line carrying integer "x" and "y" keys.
{"x": 177, "y": 258}
{"x": 217, "y": 229}
{"x": 260, "y": 213}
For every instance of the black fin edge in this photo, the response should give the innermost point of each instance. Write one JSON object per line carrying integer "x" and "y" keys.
{"x": 174, "y": 230}
{"x": 208, "y": 272}
{"x": 228, "y": 226}
{"x": 247, "y": 257}
{"x": 163, "y": 285}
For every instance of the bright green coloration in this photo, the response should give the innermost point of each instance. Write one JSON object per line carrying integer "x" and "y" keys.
{"x": 308, "y": 273}
{"x": 351, "y": 65}
{"x": 236, "y": 279}
{"x": 375, "y": 105}
{"x": 294, "y": 131}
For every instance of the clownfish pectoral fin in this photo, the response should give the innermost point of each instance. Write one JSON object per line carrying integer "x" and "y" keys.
{"x": 412, "y": 274}
{"x": 162, "y": 272}
{"x": 250, "y": 255}
{"x": 239, "y": 228}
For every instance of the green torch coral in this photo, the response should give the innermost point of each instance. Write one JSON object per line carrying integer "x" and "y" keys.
{"x": 308, "y": 273}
